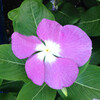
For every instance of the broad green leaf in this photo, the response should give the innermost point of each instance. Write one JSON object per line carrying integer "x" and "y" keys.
{"x": 14, "y": 12}
{"x": 7, "y": 96}
{"x": 67, "y": 14}
{"x": 90, "y": 21}
{"x": 33, "y": 92}
{"x": 30, "y": 13}
{"x": 87, "y": 85}
{"x": 11, "y": 68}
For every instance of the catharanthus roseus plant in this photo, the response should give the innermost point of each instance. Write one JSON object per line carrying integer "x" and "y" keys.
{"x": 55, "y": 55}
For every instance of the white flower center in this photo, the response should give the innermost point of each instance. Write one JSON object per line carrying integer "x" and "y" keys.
{"x": 48, "y": 51}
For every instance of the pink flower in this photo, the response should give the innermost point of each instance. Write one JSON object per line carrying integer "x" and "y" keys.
{"x": 65, "y": 48}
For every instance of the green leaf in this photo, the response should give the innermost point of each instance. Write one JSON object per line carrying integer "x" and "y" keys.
{"x": 59, "y": 98}
{"x": 87, "y": 85}
{"x": 84, "y": 67}
{"x": 90, "y": 21}
{"x": 95, "y": 58}
{"x": 30, "y": 13}
{"x": 40, "y": 0}
{"x": 67, "y": 14}
{"x": 11, "y": 68}
{"x": 13, "y": 13}
{"x": 7, "y": 96}
{"x": 62, "y": 94}
{"x": 33, "y": 92}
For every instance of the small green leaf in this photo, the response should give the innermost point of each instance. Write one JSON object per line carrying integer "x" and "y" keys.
{"x": 33, "y": 92}
{"x": 64, "y": 91}
{"x": 11, "y": 68}
{"x": 13, "y": 13}
{"x": 90, "y": 21}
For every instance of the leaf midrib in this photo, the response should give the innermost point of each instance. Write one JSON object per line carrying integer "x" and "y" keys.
{"x": 33, "y": 15}
{"x": 9, "y": 61}
{"x": 39, "y": 91}
{"x": 92, "y": 88}
{"x": 92, "y": 21}
{"x": 63, "y": 13}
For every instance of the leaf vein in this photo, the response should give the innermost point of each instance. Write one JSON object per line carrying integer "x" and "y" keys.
{"x": 39, "y": 91}
{"x": 12, "y": 62}
{"x": 87, "y": 86}
{"x": 84, "y": 22}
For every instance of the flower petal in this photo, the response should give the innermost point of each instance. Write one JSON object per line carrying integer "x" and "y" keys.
{"x": 61, "y": 73}
{"x": 75, "y": 44}
{"x": 23, "y": 46}
{"x": 35, "y": 70}
{"x": 48, "y": 30}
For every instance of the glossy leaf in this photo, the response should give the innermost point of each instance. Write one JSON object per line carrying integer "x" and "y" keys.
{"x": 67, "y": 14}
{"x": 90, "y": 21}
{"x": 11, "y": 68}
{"x": 33, "y": 92}
{"x": 30, "y": 13}
{"x": 87, "y": 85}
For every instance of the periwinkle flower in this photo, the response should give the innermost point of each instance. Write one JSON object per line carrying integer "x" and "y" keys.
{"x": 65, "y": 48}
{"x": 54, "y": 4}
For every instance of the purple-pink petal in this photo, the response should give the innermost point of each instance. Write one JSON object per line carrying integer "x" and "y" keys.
{"x": 35, "y": 70}
{"x": 23, "y": 46}
{"x": 62, "y": 73}
{"x": 75, "y": 44}
{"x": 48, "y": 30}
